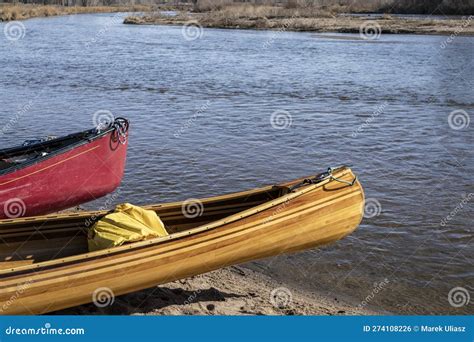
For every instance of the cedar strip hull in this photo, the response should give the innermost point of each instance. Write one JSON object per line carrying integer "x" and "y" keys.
{"x": 309, "y": 217}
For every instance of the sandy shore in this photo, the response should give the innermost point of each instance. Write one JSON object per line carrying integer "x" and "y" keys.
{"x": 231, "y": 291}
{"x": 340, "y": 24}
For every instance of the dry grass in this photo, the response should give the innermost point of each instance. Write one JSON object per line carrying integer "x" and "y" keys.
{"x": 292, "y": 6}
{"x": 304, "y": 19}
{"x": 249, "y": 11}
{"x": 460, "y": 7}
{"x": 211, "y": 5}
{"x": 20, "y": 11}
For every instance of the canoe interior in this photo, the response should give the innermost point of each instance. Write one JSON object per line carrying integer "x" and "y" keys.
{"x": 33, "y": 240}
{"x": 34, "y": 151}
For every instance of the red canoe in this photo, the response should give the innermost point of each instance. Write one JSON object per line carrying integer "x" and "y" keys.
{"x": 58, "y": 174}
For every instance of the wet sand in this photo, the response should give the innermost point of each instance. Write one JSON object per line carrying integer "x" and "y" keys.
{"x": 231, "y": 291}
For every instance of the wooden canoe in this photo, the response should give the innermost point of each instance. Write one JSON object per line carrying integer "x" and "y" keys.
{"x": 48, "y": 176}
{"x": 45, "y": 266}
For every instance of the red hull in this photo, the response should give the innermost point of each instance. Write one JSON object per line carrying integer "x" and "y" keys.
{"x": 80, "y": 175}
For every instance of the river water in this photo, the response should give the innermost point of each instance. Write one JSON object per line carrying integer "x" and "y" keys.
{"x": 201, "y": 113}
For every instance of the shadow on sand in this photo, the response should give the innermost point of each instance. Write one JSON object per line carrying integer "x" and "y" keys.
{"x": 149, "y": 300}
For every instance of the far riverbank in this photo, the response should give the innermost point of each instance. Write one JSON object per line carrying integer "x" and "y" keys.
{"x": 366, "y": 25}
{"x": 10, "y": 12}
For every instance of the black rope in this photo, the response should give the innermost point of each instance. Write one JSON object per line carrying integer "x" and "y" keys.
{"x": 321, "y": 177}
{"x": 121, "y": 126}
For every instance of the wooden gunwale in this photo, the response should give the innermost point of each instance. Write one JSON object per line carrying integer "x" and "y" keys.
{"x": 139, "y": 257}
{"x": 97, "y": 273}
{"x": 47, "y": 284}
{"x": 213, "y": 225}
{"x": 310, "y": 216}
